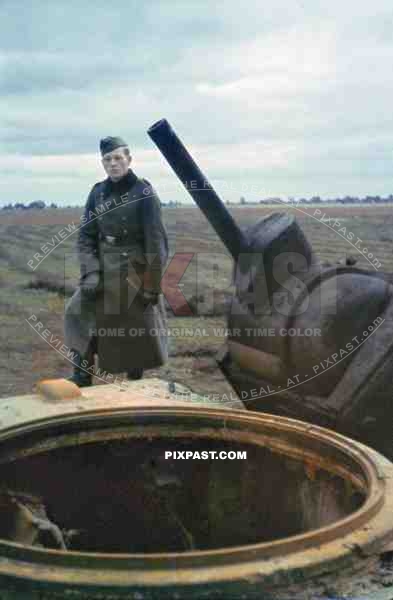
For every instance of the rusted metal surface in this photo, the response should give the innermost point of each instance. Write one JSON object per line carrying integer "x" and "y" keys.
{"x": 58, "y": 389}
{"x": 263, "y": 363}
{"x": 282, "y": 286}
{"x": 340, "y": 494}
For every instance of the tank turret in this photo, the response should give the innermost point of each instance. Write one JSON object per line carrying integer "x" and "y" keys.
{"x": 305, "y": 339}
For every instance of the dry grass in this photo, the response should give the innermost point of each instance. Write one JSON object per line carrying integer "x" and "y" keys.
{"x": 25, "y": 357}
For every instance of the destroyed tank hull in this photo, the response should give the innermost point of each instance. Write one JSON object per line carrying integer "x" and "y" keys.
{"x": 97, "y": 459}
{"x": 305, "y": 339}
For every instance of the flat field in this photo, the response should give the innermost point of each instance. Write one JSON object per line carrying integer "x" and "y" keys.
{"x": 28, "y": 288}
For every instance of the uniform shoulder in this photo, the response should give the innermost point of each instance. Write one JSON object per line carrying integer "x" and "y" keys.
{"x": 99, "y": 184}
{"x": 94, "y": 193}
{"x": 147, "y": 188}
{"x": 144, "y": 184}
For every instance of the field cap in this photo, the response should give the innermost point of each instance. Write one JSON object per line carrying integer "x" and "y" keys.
{"x": 110, "y": 143}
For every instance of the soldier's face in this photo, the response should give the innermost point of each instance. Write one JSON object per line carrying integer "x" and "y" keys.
{"x": 116, "y": 163}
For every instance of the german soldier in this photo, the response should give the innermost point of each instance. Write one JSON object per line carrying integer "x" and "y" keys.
{"x": 118, "y": 310}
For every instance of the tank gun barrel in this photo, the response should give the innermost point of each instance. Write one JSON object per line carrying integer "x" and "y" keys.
{"x": 198, "y": 187}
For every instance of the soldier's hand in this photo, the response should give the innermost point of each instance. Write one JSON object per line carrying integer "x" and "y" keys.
{"x": 150, "y": 297}
{"x": 89, "y": 284}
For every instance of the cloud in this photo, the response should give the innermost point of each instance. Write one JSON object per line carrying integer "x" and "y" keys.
{"x": 291, "y": 96}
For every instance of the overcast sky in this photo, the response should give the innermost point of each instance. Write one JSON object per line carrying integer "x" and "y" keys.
{"x": 280, "y": 97}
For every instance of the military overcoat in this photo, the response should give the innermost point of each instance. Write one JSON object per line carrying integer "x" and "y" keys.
{"x": 123, "y": 239}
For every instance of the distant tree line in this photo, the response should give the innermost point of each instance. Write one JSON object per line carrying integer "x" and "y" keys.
{"x": 36, "y": 205}
{"x": 319, "y": 200}
{"x": 171, "y": 204}
{"x": 41, "y": 205}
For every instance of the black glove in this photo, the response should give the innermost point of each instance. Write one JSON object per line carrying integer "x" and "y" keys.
{"x": 150, "y": 297}
{"x": 89, "y": 285}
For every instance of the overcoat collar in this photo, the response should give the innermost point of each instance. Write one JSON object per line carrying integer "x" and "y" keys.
{"x": 120, "y": 187}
